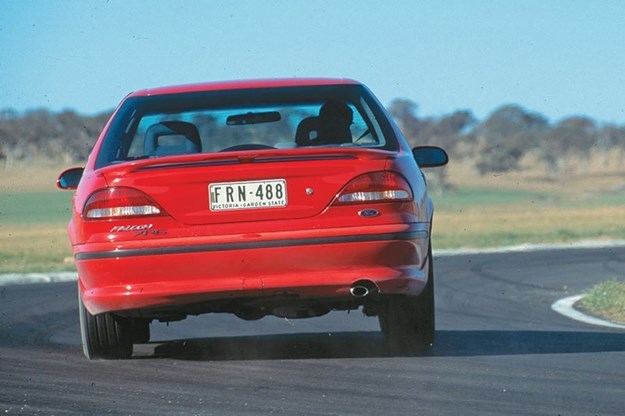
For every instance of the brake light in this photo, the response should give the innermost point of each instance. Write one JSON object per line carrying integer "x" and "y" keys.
{"x": 120, "y": 203}
{"x": 375, "y": 187}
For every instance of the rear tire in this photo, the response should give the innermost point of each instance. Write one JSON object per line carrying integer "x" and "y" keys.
{"x": 105, "y": 335}
{"x": 408, "y": 322}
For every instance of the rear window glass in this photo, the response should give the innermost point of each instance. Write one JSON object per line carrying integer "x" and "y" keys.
{"x": 255, "y": 119}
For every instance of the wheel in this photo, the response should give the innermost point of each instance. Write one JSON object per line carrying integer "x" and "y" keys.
{"x": 408, "y": 322}
{"x": 104, "y": 335}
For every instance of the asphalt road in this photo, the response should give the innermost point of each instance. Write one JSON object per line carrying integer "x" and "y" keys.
{"x": 500, "y": 350}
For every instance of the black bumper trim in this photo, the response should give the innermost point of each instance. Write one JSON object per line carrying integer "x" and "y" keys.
{"x": 200, "y": 248}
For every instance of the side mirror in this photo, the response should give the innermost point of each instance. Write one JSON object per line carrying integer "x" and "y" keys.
{"x": 69, "y": 178}
{"x": 430, "y": 156}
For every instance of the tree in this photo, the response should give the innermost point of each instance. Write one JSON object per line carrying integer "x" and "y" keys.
{"x": 404, "y": 112}
{"x": 65, "y": 136}
{"x": 571, "y": 137}
{"x": 507, "y": 134}
{"x": 447, "y": 131}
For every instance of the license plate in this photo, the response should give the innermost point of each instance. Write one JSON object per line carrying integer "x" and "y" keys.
{"x": 228, "y": 196}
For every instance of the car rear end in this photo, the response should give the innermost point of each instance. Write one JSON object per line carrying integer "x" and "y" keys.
{"x": 314, "y": 246}
{"x": 211, "y": 199}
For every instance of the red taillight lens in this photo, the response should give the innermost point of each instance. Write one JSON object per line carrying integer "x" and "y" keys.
{"x": 120, "y": 203}
{"x": 375, "y": 187}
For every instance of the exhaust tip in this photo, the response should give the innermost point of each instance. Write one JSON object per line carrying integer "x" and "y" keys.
{"x": 359, "y": 291}
{"x": 363, "y": 288}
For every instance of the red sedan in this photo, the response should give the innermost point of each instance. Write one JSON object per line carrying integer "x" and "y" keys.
{"x": 290, "y": 198}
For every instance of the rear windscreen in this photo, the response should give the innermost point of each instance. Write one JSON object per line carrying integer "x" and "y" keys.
{"x": 252, "y": 119}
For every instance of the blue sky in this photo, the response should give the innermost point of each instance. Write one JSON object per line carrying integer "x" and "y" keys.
{"x": 558, "y": 58}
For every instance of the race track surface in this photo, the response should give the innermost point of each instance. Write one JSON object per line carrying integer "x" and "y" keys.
{"x": 500, "y": 350}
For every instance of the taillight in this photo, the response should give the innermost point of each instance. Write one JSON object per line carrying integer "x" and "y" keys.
{"x": 375, "y": 187}
{"x": 120, "y": 203}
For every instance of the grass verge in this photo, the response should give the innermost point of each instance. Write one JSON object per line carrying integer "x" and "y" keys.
{"x": 33, "y": 236}
{"x": 605, "y": 300}
{"x": 502, "y": 225}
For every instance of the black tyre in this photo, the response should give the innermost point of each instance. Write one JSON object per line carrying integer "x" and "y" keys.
{"x": 105, "y": 335}
{"x": 408, "y": 322}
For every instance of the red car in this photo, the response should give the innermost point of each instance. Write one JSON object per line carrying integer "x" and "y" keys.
{"x": 290, "y": 198}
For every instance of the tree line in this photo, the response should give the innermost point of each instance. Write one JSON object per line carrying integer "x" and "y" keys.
{"x": 493, "y": 145}
{"x": 499, "y": 142}
{"x": 66, "y": 137}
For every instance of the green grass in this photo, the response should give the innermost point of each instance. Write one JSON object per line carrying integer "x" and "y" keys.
{"x": 475, "y": 197}
{"x": 457, "y": 240}
{"x": 483, "y": 217}
{"x": 606, "y": 300}
{"x": 35, "y": 207}
{"x": 615, "y": 199}
{"x": 32, "y": 231}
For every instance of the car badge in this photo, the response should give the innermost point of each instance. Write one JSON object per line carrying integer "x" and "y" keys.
{"x": 369, "y": 213}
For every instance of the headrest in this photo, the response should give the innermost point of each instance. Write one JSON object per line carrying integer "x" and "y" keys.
{"x": 307, "y": 131}
{"x": 192, "y": 142}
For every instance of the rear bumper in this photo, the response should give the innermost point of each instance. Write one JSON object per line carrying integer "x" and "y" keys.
{"x": 313, "y": 264}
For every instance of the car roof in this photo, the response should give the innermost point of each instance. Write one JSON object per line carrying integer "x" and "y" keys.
{"x": 244, "y": 84}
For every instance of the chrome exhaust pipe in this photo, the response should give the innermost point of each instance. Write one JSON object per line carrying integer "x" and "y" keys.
{"x": 363, "y": 288}
{"x": 359, "y": 291}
